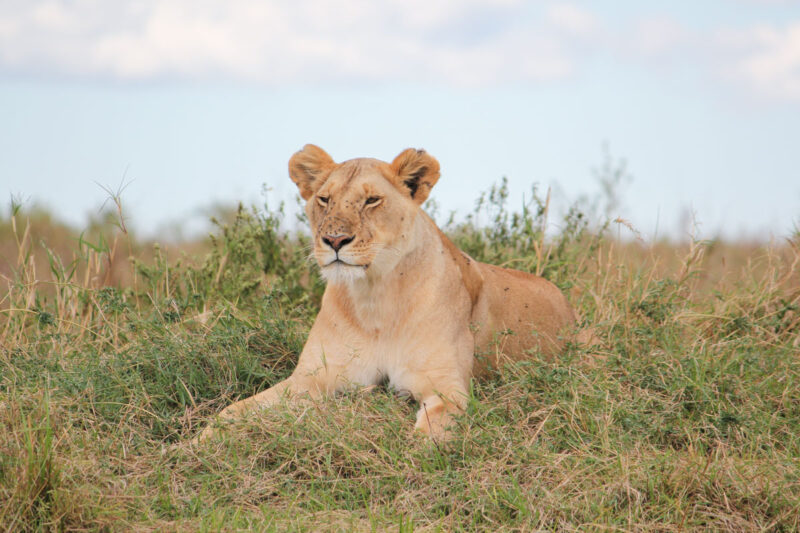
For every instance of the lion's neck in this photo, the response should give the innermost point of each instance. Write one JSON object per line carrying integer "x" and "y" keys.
{"x": 370, "y": 296}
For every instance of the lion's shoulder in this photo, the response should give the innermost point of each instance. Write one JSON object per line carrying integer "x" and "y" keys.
{"x": 467, "y": 266}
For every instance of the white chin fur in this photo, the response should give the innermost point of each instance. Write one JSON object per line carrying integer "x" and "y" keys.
{"x": 341, "y": 273}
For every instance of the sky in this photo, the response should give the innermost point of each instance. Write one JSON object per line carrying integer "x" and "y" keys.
{"x": 193, "y": 103}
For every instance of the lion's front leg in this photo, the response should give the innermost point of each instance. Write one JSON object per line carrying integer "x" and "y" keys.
{"x": 440, "y": 382}
{"x": 291, "y": 388}
{"x": 437, "y": 411}
{"x": 321, "y": 370}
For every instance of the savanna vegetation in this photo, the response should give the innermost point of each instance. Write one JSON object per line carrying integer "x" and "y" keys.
{"x": 682, "y": 413}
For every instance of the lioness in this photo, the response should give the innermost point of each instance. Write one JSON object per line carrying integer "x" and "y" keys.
{"x": 402, "y": 302}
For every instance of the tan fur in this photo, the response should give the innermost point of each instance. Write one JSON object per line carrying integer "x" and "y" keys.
{"x": 405, "y": 304}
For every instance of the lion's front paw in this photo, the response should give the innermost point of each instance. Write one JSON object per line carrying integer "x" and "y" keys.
{"x": 213, "y": 431}
{"x": 209, "y": 433}
{"x": 435, "y": 420}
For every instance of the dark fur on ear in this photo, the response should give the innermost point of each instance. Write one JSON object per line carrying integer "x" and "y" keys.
{"x": 309, "y": 168}
{"x": 416, "y": 172}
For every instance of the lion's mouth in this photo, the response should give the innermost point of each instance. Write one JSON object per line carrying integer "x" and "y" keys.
{"x": 339, "y": 262}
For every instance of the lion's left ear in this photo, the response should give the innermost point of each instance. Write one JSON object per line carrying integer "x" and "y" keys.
{"x": 415, "y": 172}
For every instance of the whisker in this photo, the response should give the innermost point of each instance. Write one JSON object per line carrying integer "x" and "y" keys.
{"x": 377, "y": 247}
{"x": 306, "y": 247}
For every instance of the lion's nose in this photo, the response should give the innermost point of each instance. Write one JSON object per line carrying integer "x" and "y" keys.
{"x": 337, "y": 241}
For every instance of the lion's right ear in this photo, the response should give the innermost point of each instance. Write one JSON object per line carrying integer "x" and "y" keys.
{"x": 309, "y": 168}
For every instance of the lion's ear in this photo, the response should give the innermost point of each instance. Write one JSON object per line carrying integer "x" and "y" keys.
{"x": 415, "y": 172}
{"x": 309, "y": 168}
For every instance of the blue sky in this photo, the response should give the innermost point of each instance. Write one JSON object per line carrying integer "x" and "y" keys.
{"x": 198, "y": 103}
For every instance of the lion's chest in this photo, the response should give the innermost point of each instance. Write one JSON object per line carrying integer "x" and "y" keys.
{"x": 381, "y": 317}
{"x": 405, "y": 337}
{"x": 404, "y": 351}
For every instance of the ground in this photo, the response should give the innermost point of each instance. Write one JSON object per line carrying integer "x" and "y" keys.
{"x": 683, "y": 414}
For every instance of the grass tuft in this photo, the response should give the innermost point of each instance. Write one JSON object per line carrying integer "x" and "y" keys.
{"x": 680, "y": 412}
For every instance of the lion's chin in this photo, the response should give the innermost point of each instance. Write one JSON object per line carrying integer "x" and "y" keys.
{"x": 339, "y": 272}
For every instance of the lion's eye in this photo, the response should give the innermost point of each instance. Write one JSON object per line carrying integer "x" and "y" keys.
{"x": 322, "y": 200}
{"x": 373, "y": 200}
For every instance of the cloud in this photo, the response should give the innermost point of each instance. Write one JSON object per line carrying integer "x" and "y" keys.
{"x": 661, "y": 35}
{"x": 766, "y": 58}
{"x": 763, "y": 59}
{"x": 572, "y": 18}
{"x": 451, "y": 41}
{"x": 456, "y": 42}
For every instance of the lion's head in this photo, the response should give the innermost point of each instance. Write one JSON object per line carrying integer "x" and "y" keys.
{"x": 361, "y": 211}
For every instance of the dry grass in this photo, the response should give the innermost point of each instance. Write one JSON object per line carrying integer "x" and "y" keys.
{"x": 684, "y": 415}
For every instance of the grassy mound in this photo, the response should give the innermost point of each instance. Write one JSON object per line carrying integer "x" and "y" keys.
{"x": 682, "y": 414}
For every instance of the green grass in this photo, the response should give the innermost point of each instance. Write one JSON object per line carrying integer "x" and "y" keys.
{"x": 682, "y": 414}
